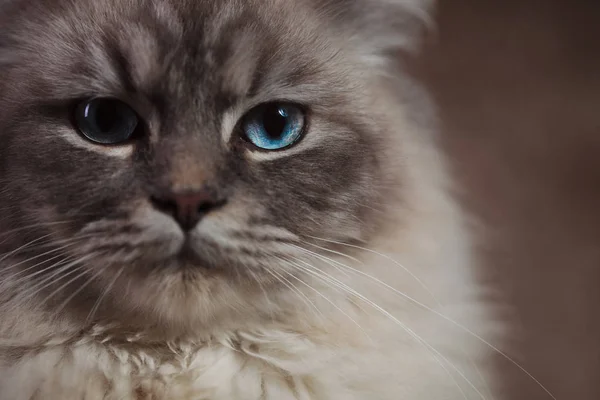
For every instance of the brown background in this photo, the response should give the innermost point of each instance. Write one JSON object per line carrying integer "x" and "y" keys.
{"x": 518, "y": 86}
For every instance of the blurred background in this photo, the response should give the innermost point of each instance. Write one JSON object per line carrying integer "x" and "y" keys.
{"x": 518, "y": 86}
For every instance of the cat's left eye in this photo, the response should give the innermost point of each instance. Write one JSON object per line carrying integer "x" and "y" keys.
{"x": 106, "y": 120}
{"x": 274, "y": 126}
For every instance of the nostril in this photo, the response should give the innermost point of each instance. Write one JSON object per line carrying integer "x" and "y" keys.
{"x": 165, "y": 205}
{"x": 207, "y": 206}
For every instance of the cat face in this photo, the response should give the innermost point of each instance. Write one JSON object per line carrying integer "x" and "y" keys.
{"x": 171, "y": 161}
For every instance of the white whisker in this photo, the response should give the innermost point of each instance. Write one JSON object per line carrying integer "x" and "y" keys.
{"x": 297, "y": 291}
{"x": 49, "y": 281}
{"x": 26, "y": 245}
{"x": 42, "y": 271}
{"x": 105, "y": 292}
{"x": 74, "y": 294}
{"x": 385, "y": 256}
{"x": 331, "y": 261}
{"x": 326, "y": 298}
{"x": 455, "y": 323}
{"x": 73, "y": 242}
{"x": 10, "y": 278}
{"x": 338, "y": 289}
{"x": 324, "y": 276}
{"x": 325, "y": 259}
{"x": 79, "y": 290}
{"x": 263, "y": 290}
{"x": 460, "y": 389}
{"x": 33, "y": 226}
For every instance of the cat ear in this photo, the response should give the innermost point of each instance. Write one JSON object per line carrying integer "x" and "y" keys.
{"x": 379, "y": 28}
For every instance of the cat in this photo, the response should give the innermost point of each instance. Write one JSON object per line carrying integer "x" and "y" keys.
{"x": 227, "y": 200}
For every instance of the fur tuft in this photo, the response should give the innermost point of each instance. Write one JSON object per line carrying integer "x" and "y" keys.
{"x": 381, "y": 29}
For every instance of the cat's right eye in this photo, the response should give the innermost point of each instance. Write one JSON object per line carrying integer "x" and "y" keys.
{"x": 106, "y": 121}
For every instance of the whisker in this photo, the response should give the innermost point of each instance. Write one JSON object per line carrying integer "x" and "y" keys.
{"x": 385, "y": 256}
{"x": 408, "y": 330}
{"x": 332, "y": 261}
{"x": 324, "y": 276}
{"x": 42, "y": 271}
{"x": 371, "y": 208}
{"x": 79, "y": 276}
{"x": 323, "y": 258}
{"x": 455, "y": 323}
{"x": 33, "y": 226}
{"x": 18, "y": 281}
{"x": 26, "y": 245}
{"x": 81, "y": 288}
{"x": 49, "y": 281}
{"x": 60, "y": 266}
{"x": 262, "y": 288}
{"x": 326, "y": 298}
{"x": 105, "y": 292}
{"x": 71, "y": 242}
{"x": 460, "y": 389}
{"x": 293, "y": 288}
{"x": 338, "y": 289}
{"x": 76, "y": 238}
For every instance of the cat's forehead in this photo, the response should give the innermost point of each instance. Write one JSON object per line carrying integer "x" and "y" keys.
{"x": 218, "y": 46}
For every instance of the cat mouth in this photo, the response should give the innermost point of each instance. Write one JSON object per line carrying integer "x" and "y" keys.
{"x": 187, "y": 257}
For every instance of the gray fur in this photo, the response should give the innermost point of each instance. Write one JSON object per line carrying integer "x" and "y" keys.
{"x": 187, "y": 67}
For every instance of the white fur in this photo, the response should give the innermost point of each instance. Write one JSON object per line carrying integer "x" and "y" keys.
{"x": 332, "y": 359}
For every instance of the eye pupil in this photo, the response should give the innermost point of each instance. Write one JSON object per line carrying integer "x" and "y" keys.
{"x": 107, "y": 116}
{"x": 106, "y": 120}
{"x": 275, "y": 120}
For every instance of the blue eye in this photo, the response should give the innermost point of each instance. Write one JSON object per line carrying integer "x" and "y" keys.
{"x": 274, "y": 126}
{"x": 106, "y": 121}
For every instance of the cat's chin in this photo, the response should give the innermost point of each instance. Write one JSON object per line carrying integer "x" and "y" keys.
{"x": 188, "y": 258}
{"x": 189, "y": 298}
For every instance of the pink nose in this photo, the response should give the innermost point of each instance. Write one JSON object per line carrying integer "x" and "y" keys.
{"x": 187, "y": 208}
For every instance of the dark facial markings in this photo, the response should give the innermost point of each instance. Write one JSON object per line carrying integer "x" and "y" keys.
{"x": 165, "y": 100}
